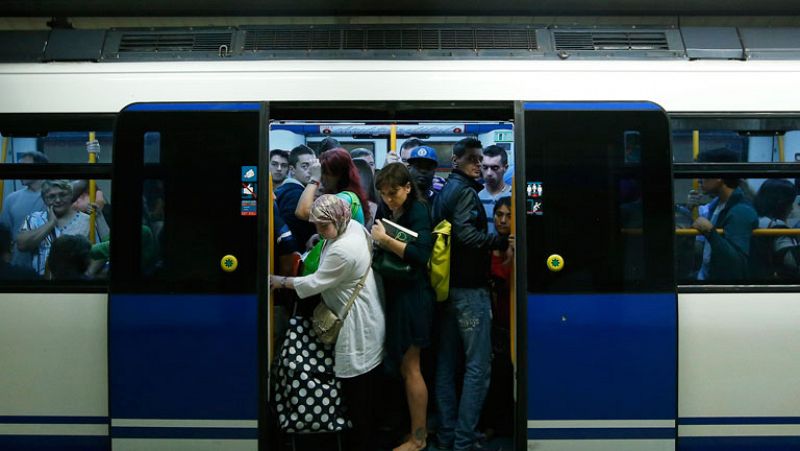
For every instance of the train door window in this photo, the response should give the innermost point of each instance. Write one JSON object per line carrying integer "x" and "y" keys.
{"x": 54, "y": 178}
{"x": 739, "y": 176}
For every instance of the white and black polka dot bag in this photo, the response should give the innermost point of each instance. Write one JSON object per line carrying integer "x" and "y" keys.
{"x": 307, "y": 394}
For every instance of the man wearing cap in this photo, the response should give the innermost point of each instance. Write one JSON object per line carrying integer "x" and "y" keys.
{"x": 422, "y": 163}
{"x": 493, "y": 170}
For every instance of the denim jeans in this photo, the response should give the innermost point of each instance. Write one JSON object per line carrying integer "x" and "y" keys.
{"x": 466, "y": 325}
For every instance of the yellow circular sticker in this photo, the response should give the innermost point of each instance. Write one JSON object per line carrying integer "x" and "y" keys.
{"x": 555, "y": 263}
{"x": 229, "y": 263}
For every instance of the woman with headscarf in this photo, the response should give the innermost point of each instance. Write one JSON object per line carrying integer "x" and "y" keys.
{"x": 359, "y": 348}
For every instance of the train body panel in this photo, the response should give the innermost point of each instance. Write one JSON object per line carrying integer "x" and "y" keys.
{"x": 675, "y": 85}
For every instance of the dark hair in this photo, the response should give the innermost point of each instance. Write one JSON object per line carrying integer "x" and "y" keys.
{"x": 38, "y": 157}
{"x": 460, "y": 148}
{"x": 302, "y": 149}
{"x": 411, "y": 143}
{"x": 397, "y": 174}
{"x": 69, "y": 257}
{"x": 495, "y": 150}
{"x": 775, "y": 198}
{"x": 278, "y": 153}
{"x": 503, "y": 201}
{"x": 5, "y": 240}
{"x": 721, "y": 155}
{"x": 328, "y": 144}
{"x": 360, "y": 152}
{"x": 338, "y": 162}
{"x": 367, "y": 179}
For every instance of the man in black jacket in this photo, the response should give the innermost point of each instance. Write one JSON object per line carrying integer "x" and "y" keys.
{"x": 466, "y": 322}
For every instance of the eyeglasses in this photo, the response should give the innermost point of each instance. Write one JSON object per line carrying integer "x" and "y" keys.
{"x": 62, "y": 195}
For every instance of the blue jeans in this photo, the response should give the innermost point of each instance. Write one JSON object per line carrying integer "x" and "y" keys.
{"x": 467, "y": 322}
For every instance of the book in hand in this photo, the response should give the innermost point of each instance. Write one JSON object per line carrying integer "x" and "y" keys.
{"x": 399, "y": 232}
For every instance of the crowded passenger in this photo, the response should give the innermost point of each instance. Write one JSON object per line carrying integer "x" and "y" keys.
{"x": 775, "y": 257}
{"x": 336, "y": 174}
{"x": 287, "y": 196}
{"x": 278, "y": 166}
{"x": 69, "y": 258}
{"x": 19, "y": 204}
{"x": 725, "y": 256}
{"x": 8, "y": 271}
{"x": 344, "y": 263}
{"x": 367, "y": 178}
{"x": 409, "y": 296}
{"x": 422, "y": 163}
{"x": 328, "y": 144}
{"x": 41, "y": 228}
{"x": 493, "y": 170}
{"x": 498, "y": 412}
{"x": 466, "y": 324}
{"x": 361, "y": 153}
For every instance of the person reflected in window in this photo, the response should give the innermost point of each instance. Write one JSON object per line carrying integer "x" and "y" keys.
{"x": 41, "y": 228}
{"x": 409, "y": 297}
{"x": 775, "y": 257}
{"x": 19, "y": 204}
{"x": 725, "y": 256}
{"x": 278, "y": 166}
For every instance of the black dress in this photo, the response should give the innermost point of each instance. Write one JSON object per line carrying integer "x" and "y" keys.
{"x": 410, "y": 302}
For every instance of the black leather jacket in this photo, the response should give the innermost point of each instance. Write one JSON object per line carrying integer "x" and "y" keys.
{"x": 470, "y": 258}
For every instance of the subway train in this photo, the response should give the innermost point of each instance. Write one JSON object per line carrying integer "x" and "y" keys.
{"x": 618, "y": 345}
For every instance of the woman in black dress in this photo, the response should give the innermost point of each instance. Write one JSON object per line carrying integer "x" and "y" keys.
{"x": 409, "y": 297}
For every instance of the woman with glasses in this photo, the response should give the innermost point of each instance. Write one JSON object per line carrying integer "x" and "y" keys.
{"x": 41, "y": 228}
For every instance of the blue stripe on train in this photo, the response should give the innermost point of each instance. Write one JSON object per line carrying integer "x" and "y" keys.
{"x": 594, "y": 357}
{"x": 54, "y": 443}
{"x": 183, "y": 356}
{"x": 600, "y": 433}
{"x": 186, "y": 433}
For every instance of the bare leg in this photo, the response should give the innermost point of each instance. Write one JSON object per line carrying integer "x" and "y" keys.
{"x": 417, "y": 397}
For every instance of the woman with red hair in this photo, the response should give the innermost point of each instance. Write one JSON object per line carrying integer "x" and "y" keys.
{"x": 336, "y": 174}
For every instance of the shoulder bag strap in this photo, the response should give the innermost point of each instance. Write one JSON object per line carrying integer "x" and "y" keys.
{"x": 360, "y": 283}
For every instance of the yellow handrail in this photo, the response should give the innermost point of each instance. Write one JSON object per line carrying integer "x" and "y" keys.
{"x": 781, "y": 150}
{"x": 92, "y": 192}
{"x": 695, "y": 154}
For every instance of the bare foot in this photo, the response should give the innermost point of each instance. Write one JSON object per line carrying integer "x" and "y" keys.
{"x": 411, "y": 445}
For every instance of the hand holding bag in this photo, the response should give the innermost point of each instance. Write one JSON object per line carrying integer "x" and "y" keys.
{"x": 390, "y": 265}
{"x": 326, "y": 324}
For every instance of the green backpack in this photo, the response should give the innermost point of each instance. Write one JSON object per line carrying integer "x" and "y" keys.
{"x": 311, "y": 262}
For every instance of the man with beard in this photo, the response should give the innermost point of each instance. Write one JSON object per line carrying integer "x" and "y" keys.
{"x": 422, "y": 163}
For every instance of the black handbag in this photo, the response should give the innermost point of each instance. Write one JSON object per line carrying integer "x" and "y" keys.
{"x": 390, "y": 266}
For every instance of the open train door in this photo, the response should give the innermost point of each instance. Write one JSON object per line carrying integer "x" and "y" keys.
{"x": 189, "y": 240}
{"x": 601, "y": 314}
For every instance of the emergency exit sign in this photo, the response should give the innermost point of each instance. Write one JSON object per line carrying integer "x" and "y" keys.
{"x": 503, "y": 136}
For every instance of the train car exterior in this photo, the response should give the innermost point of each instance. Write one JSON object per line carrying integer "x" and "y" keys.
{"x": 619, "y": 357}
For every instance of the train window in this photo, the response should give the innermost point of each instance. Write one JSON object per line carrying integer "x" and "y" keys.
{"x": 757, "y": 230}
{"x": 755, "y": 219}
{"x": 755, "y": 140}
{"x": 63, "y": 147}
{"x": 596, "y": 198}
{"x": 51, "y": 230}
